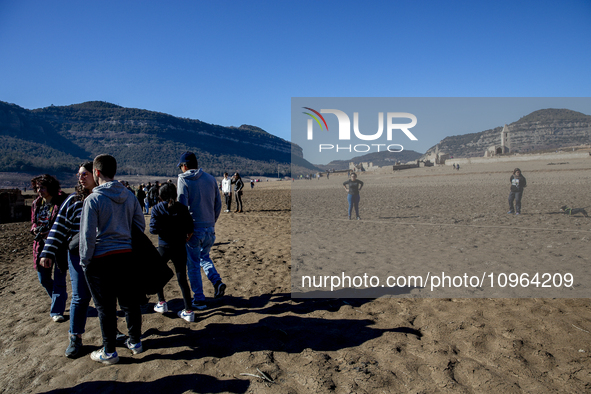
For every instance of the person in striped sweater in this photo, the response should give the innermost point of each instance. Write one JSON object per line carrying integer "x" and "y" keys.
{"x": 64, "y": 234}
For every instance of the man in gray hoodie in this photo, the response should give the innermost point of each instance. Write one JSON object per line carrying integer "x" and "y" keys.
{"x": 108, "y": 215}
{"x": 199, "y": 192}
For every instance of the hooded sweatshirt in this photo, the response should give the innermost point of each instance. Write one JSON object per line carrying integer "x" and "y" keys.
{"x": 172, "y": 224}
{"x": 198, "y": 191}
{"x": 226, "y": 185}
{"x": 517, "y": 183}
{"x": 107, "y": 216}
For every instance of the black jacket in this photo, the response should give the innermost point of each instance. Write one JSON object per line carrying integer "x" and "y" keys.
{"x": 153, "y": 195}
{"x": 238, "y": 185}
{"x": 153, "y": 273}
{"x": 171, "y": 224}
{"x": 517, "y": 183}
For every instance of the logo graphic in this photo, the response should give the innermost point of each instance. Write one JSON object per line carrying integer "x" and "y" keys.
{"x": 345, "y": 129}
{"x": 315, "y": 118}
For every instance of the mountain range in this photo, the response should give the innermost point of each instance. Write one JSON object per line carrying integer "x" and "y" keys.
{"x": 543, "y": 129}
{"x": 57, "y": 139}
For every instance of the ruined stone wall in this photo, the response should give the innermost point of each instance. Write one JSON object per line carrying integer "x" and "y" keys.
{"x": 518, "y": 157}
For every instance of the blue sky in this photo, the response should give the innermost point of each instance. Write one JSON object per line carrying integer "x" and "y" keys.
{"x": 241, "y": 62}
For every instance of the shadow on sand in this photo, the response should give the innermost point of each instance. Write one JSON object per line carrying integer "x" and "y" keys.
{"x": 177, "y": 384}
{"x": 282, "y": 331}
{"x": 287, "y": 329}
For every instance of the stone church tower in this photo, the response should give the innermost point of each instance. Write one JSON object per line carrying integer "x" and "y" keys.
{"x": 505, "y": 146}
{"x": 505, "y": 141}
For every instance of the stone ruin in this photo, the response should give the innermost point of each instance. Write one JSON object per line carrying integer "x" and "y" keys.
{"x": 505, "y": 147}
{"x": 12, "y": 206}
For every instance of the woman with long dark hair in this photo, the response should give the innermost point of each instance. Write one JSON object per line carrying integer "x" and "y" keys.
{"x": 64, "y": 235}
{"x": 44, "y": 211}
{"x": 518, "y": 182}
{"x": 238, "y": 186}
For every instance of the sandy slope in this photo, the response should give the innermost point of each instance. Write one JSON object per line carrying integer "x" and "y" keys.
{"x": 383, "y": 345}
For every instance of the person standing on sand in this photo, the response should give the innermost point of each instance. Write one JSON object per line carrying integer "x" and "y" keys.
{"x": 198, "y": 191}
{"x": 518, "y": 182}
{"x": 147, "y": 199}
{"x": 44, "y": 211}
{"x": 65, "y": 233}
{"x": 173, "y": 223}
{"x": 227, "y": 190}
{"x": 141, "y": 195}
{"x": 108, "y": 215}
{"x": 353, "y": 187}
{"x": 238, "y": 186}
{"x": 153, "y": 194}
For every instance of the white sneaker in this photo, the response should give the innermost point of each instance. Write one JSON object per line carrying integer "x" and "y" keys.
{"x": 136, "y": 348}
{"x": 187, "y": 315}
{"x": 58, "y": 318}
{"x": 161, "y": 307}
{"x": 103, "y": 357}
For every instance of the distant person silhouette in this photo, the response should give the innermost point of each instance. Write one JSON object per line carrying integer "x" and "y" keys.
{"x": 518, "y": 183}
{"x": 353, "y": 186}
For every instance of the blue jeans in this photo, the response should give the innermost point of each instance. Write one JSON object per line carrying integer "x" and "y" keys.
{"x": 353, "y": 202}
{"x": 80, "y": 296}
{"x": 55, "y": 287}
{"x": 515, "y": 196}
{"x": 198, "y": 249}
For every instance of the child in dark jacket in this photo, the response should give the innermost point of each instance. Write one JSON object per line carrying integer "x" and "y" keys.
{"x": 518, "y": 182}
{"x": 173, "y": 223}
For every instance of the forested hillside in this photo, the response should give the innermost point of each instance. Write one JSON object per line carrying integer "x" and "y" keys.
{"x": 57, "y": 139}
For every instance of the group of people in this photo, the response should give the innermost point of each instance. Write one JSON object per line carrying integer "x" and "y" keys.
{"x": 90, "y": 233}
{"x": 226, "y": 189}
{"x": 147, "y": 195}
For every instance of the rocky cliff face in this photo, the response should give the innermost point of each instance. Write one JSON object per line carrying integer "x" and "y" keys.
{"x": 543, "y": 129}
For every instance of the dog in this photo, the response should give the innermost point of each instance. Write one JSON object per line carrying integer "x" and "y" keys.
{"x": 573, "y": 211}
